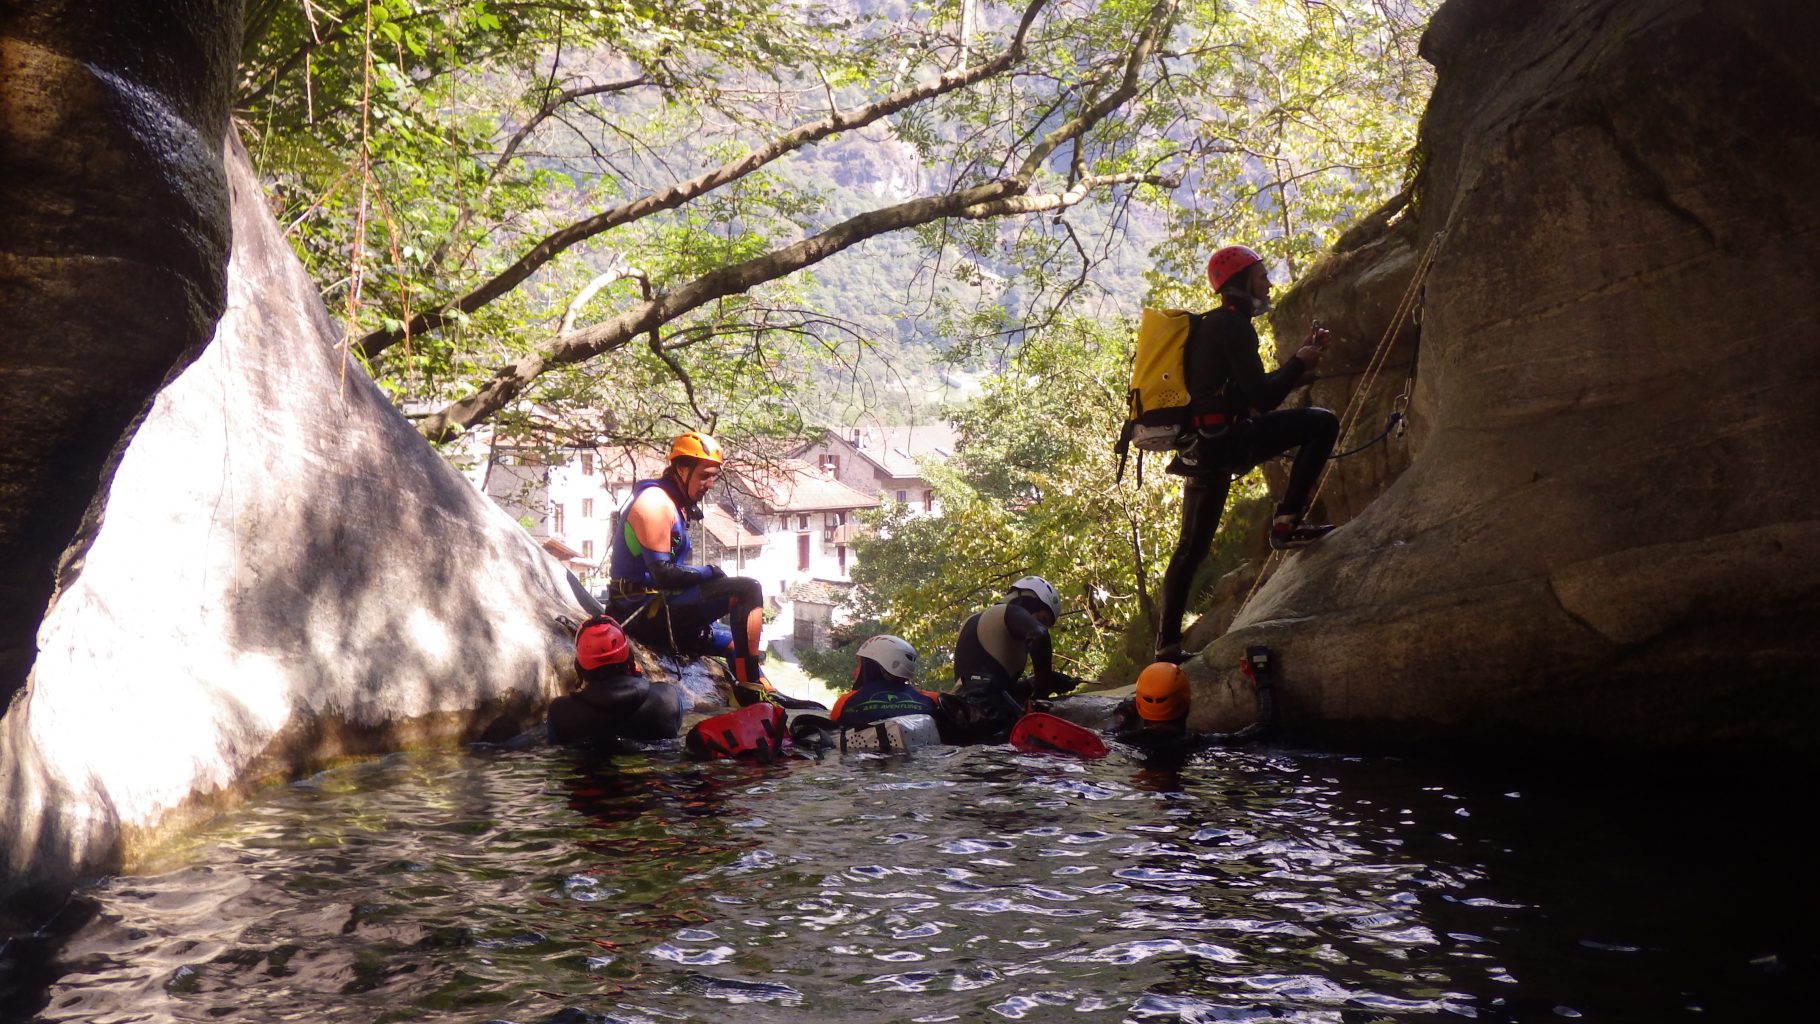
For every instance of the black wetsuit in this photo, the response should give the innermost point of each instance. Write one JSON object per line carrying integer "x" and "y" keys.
{"x": 991, "y": 689}
{"x": 616, "y": 706}
{"x": 1165, "y": 745}
{"x": 1233, "y": 400}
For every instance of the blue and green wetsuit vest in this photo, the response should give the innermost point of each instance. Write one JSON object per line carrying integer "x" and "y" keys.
{"x": 628, "y": 562}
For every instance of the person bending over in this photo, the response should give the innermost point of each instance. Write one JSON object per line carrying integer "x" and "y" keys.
{"x": 669, "y": 604}
{"x": 1235, "y": 425}
{"x": 992, "y": 690}
{"x": 881, "y": 685}
{"x": 616, "y": 702}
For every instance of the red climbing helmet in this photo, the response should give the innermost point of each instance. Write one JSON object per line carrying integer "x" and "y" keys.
{"x": 1225, "y": 263}
{"x": 601, "y": 642}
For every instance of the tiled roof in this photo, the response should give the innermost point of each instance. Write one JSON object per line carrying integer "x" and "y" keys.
{"x": 622, "y": 465}
{"x": 727, "y": 531}
{"x": 791, "y": 485}
{"x": 896, "y": 449}
{"x": 559, "y": 550}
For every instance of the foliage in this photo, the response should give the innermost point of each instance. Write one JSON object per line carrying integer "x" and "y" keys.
{"x": 834, "y": 665}
{"x": 592, "y": 220}
{"x": 1031, "y": 490}
{"x": 423, "y": 151}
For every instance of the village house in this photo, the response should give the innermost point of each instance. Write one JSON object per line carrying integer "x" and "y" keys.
{"x": 804, "y": 516}
{"x": 883, "y": 460}
{"x": 784, "y": 522}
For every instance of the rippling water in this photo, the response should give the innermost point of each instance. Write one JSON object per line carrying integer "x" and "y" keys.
{"x": 961, "y": 885}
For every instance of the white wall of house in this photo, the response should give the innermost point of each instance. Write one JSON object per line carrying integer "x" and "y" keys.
{"x": 852, "y": 466}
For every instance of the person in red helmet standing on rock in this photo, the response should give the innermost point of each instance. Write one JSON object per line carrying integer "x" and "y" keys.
{"x": 1235, "y": 424}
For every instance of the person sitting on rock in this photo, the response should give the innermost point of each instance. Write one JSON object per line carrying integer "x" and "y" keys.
{"x": 883, "y": 669}
{"x": 1235, "y": 425}
{"x": 992, "y": 690}
{"x": 667, "y": 603}
{"x": 616, "y": 702}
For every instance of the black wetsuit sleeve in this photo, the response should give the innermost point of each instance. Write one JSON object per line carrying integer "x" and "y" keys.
{"x": 670, "y": 576}
{"x": 1249, "y": 390}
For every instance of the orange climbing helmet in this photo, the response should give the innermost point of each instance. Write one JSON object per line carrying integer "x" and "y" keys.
{"x": 1226, "y": 263}
{"x": 696, "y": 445}
{"x": 1162, "y": 692}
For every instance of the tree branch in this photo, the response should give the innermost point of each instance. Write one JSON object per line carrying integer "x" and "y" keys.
{"x": 466, "y": 214}
{"x": 676, "y": 195}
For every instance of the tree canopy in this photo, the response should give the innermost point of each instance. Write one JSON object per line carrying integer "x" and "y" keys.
{"x": 631, "y": 217}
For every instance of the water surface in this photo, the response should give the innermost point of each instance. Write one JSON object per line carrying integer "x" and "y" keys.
{"x": 959, "y": 885}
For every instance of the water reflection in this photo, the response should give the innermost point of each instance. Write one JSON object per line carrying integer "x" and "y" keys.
{"x": 978, "y": 884}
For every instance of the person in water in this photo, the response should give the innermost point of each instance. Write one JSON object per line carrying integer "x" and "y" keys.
{"x": 882, "y": 672}
{"x": 1154, "y": 719}
{"x": 992, "y": 690}
{"x": 1235, "y": 425}
{"x": 616, "y": 702}
{"x": 666, "y": 602}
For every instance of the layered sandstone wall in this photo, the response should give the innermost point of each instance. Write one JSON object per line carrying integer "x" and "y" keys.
{"x": 1607, "y": 534}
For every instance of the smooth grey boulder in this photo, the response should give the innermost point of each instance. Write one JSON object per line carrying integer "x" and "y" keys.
{"x": 287, "y": 573}
{"x": 1607, "y": 539}
{"x": 113, "y": 257}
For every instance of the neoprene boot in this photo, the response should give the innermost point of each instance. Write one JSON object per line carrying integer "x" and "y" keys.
{"x": 1288, "y": 533}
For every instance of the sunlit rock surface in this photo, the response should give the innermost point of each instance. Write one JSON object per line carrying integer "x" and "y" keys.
{"x": 286, "y": 573}
{"x": 113, "y": 252}
{"x": 1608, "y": 534}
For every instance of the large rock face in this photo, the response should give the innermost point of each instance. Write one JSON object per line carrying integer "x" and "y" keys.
{"x": 1608, "y": 537}
{"x": 113, "y": 252}
{"x": 287, "y": 573}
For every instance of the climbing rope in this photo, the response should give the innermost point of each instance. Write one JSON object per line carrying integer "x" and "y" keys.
{"x": 1354, "y": 405}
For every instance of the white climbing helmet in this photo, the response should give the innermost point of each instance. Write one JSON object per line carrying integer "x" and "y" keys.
{"x": 1039, "y": 588}
{"x": 893, "y": 654}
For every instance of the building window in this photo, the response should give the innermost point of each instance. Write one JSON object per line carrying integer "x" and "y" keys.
{"x": 903, "y": 497}
{"x": 840, "y": 553}
{"x": 587, "y": 549}
{"x": 556, "y": 518}
{"x": 928, "y": 500}
{"x": 802, "y": 522}
{"x": 587, "y": 508}
{"x": 587, "y": 466}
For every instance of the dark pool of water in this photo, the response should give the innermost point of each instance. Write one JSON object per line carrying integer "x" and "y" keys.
{"x": 963, "y": 885}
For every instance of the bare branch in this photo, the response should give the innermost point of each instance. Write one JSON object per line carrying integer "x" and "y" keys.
{"x": 1013, "y": 205}
{"x": 676, "y": 195}
{"x": 551, "y": 104}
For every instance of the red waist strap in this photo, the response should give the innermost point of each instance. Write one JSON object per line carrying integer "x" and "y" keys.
{"x": 1209, "y": 419}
